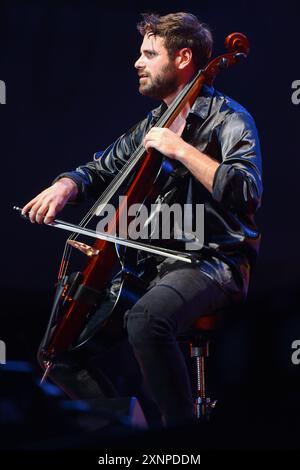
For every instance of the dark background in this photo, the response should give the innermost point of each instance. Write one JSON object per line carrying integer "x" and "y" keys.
{"x": 71, "y": 90}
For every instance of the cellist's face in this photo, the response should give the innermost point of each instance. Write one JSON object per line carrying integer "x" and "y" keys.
{"x": 158, "y": 74}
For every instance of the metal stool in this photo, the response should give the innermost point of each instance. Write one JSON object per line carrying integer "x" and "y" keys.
{"x": 199, "y": 342}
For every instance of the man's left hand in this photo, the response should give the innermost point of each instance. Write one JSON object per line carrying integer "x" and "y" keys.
{"x": 165, "y": 141}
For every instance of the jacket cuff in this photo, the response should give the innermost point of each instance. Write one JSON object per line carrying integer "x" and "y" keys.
{"x": 222, "y": 177}
{"x": 73, "y": 175}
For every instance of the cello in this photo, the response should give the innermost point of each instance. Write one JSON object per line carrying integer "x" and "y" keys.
{"x": 81, "y": 295}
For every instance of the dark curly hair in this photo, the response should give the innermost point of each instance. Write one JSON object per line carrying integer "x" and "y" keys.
{"x": 180, "y": 30}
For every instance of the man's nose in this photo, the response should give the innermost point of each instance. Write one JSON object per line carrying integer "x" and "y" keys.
{"x": 138, "y": 64}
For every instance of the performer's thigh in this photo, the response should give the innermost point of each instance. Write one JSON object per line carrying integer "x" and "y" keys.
{"x": 178, "y": 299}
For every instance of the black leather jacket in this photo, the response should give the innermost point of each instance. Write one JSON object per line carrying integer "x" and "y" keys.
{"x": 224, "y": 130}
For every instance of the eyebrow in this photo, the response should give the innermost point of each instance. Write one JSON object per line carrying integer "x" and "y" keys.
{"x": 147, "y": 51}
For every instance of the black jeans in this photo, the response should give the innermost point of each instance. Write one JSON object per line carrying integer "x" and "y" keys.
{"x": 169, "y": 308}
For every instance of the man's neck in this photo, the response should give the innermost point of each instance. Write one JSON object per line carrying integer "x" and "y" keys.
{"x": 184, "y": 80}
{"x": 170, "y": 98}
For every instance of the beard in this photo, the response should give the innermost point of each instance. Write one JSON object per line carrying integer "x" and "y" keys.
{"x": 164, "y": 84}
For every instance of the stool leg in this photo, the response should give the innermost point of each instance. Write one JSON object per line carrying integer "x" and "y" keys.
{"x": 203, "y": 405}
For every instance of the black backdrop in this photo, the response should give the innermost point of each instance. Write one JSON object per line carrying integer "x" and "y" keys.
{"x": 72, "y": 89}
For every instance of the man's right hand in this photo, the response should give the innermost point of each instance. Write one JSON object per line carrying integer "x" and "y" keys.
{"x": 44, "y": 207}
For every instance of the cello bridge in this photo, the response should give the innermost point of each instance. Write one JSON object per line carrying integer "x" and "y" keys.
{"x": 86, "y": 249}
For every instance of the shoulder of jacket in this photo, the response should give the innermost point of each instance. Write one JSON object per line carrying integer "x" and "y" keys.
{"x": 231, "y": 107}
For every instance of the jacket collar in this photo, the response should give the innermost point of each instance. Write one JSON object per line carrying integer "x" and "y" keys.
{"x": 203, "y": 102}
{"x": 201, "y": 106}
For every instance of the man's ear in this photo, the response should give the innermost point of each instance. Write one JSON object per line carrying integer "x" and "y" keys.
{"x": 183, "y": 58}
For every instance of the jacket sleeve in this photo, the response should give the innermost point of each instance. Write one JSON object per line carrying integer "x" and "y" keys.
{"x": 93, "y": 177}
{"x": 237, "y": 183}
